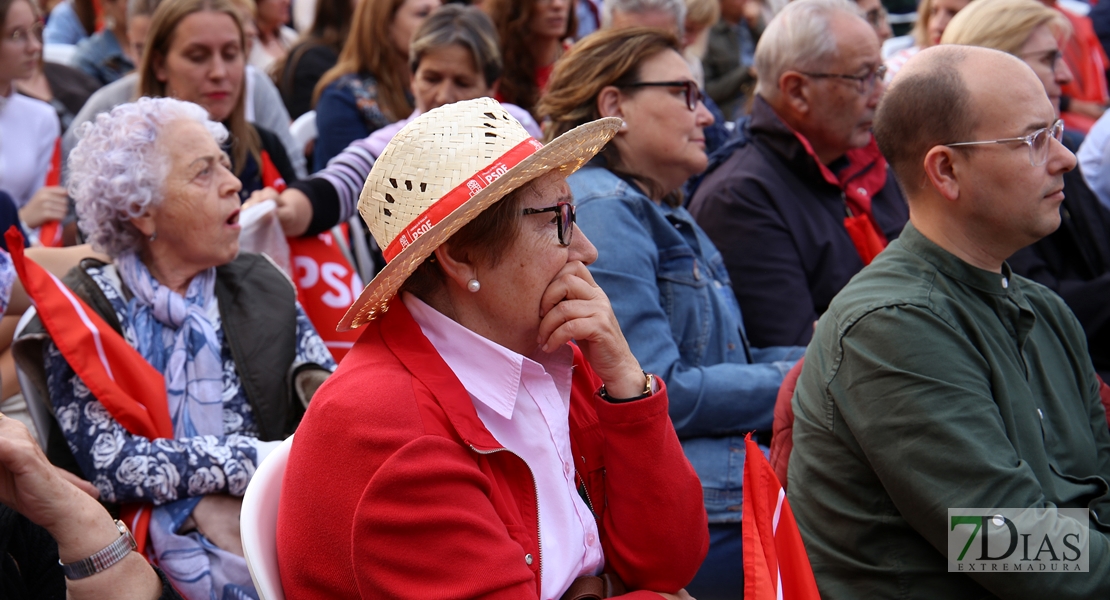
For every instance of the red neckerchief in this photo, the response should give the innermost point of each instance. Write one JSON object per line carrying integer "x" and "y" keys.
{"x": 864, "y": 177}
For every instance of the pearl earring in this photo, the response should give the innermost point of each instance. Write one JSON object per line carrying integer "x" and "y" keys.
{"x": 473, "y": 285}
{"x": 153, "y": 236}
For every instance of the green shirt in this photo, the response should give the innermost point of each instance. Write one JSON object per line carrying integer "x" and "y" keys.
{"x": 931, "y": 384}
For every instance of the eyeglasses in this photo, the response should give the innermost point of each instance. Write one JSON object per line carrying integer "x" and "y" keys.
{"x": 693, "y": 94}
{"x": 21, "y": 36}
{"x": 1052, "y": 58}
{"x": 866, "y": 83}
{"x": 1037, "y": 142}
{"x": 564, "y": 219}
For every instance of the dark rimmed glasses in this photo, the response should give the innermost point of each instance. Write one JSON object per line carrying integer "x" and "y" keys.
{"x": 864, "y": 83}
{"x": 1038, "y": 142}
{"x": 564, "y": 219}
{"x": 693, "y": 94}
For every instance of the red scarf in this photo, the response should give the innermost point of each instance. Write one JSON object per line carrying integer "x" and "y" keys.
{"x": 864, "y": 177}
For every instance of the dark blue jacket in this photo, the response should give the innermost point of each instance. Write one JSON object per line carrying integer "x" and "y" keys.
{"x": 780, "y": 227}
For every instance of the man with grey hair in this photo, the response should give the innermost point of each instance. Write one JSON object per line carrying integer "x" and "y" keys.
{"x": 938, "y": 380}
{"x": 805, "y": 201}
{"x": 661, "y": 14}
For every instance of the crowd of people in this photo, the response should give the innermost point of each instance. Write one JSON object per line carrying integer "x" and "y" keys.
{"x": 604, "y": 241}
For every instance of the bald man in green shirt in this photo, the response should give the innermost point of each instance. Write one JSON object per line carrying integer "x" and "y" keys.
{"x": 938, "y": 379}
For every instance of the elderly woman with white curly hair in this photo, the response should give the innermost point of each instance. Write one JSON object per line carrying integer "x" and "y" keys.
{"x": 153, "y": 190}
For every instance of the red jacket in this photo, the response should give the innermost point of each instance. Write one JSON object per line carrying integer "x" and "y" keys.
{"x": 395, "y": 489}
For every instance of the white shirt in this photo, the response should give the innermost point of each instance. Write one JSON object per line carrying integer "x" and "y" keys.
{"x": 525, "y": 404}
{"x": 28, "y": 130}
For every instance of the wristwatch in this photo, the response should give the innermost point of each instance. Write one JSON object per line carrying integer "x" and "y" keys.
{"x": 110, "y": 555}
{"x": 649, "y": 389}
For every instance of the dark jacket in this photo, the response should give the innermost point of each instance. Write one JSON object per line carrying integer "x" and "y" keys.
{"x": 780, "y": 227}
{"x": 308, "y": 61}
{"x": 251, "y": 175}
{"x": 1075, "y": 263}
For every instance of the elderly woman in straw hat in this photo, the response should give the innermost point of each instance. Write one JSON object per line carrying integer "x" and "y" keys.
{"x": 465, "y": 448}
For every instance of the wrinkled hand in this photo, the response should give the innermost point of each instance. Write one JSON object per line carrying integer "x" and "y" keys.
{"x": 48, "y": 204}
{"x": 28, "y": 482}
{"x": 262, "y": 195}
{"x": 575, "y": 308}
{"x": 217, "y": 517}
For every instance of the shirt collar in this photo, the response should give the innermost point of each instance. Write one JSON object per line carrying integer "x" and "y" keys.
{"x": 491, "y": 373}
{"x": 1000, "y": 284}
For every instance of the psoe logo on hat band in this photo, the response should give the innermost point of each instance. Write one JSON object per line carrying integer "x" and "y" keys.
{"x": 1019, "y": 540}
{"x": 455, "y": 198}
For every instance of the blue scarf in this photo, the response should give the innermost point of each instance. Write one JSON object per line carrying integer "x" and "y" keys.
{"x": 175, "y": 336}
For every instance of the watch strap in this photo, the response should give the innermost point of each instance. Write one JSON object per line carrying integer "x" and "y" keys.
{"x": 110, "y": 555}
{"x": 649, "y": 389}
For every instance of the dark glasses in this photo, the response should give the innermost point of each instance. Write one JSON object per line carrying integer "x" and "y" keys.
{"x": 564, "y": 219}
{"x": 693, "y": 94}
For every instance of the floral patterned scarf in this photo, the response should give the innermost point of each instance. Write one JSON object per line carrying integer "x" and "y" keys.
{"x": 174, "y": 334}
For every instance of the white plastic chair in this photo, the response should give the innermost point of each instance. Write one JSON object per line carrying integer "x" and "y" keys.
{"x": 303, "y": 129}
{"x": 258, "y": 523}
{"x": 62, "y": 54}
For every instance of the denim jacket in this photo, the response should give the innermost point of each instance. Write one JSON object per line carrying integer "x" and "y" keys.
{"x": 672, "y": 296}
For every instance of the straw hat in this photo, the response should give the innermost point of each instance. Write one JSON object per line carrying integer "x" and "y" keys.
{"x": 441, "y": 171}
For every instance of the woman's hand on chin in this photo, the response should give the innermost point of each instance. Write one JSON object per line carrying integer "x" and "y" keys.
{"x": 574, "y": 307}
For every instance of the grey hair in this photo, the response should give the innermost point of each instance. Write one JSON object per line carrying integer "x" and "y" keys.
{"x": 797, "y": 39}
{"x": 675, "y": 7}
{"x": 465, "y": 26}
{"x": 117, "y": 171}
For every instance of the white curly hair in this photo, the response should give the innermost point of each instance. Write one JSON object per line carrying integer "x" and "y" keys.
{"x": 117, "y": 169}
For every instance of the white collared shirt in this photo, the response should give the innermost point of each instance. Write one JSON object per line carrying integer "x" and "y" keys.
{"x": 525, "y": 404}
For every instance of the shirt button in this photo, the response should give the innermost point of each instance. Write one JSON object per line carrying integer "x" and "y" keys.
{"x": 591, "y": 539}
{"x": 1041, "y": 414}
{"x": 528, "y": 559}
{"x": 566, "y": 468}
{"x": 1005, "y": 283}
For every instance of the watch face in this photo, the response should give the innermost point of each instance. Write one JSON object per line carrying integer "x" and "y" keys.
{"x": 124, "y": 531}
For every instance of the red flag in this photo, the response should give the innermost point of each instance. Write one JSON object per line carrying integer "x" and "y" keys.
{"x": 50, "y": 234}
{"x": 118, "y": 376}
{"x": 775, "y": 561}
{"x": 326, "y": 283}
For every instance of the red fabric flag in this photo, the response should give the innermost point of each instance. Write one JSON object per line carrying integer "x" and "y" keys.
{"x": 132, "y": 391}
{"x": 326, "y": 283}
{"x": 775, "y": 561}
{"x": 50, "y": 234}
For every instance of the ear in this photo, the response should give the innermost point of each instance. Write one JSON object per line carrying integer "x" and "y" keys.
{"x": 458, "y": 269}
{"x": 795, "y": 91}
{"x": 942, "y": 170}
{"x": 158, "y": 64}
{"x": 145, "y": 223}
{"x": 609, "y": 102}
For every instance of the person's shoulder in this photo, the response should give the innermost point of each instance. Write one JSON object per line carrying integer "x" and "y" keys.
{"x": 32, "y": 109}
{"x": 594, "y": 184}
{"x": 269, "y": 139}
{"x": 897, "y": 277}
{"x": 115, "y": 93}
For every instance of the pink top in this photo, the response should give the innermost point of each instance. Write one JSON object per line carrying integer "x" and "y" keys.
{"x": 525, "y": 404}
